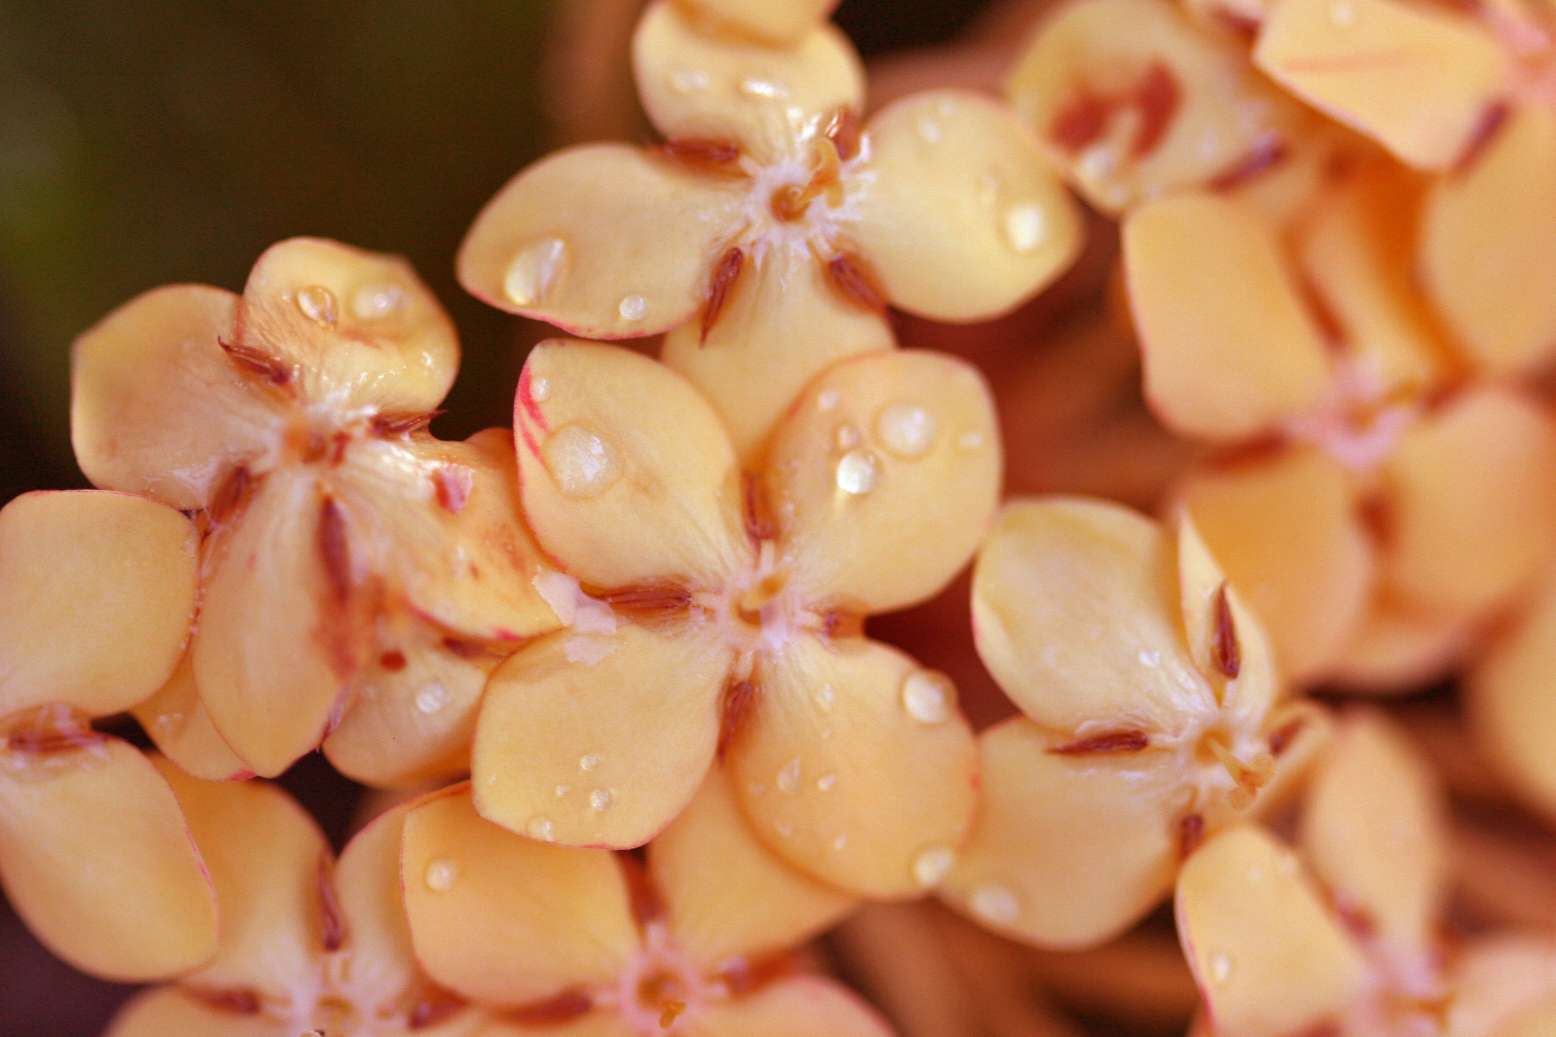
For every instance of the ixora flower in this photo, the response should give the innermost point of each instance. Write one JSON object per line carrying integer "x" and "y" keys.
{"x": 769, "y": 230}
{"x": 358, "y": 576}
{"x": 589, "y": 943}
{"x": 1150, "y": 719}
{"x": 1276, "y": 954}
{"x": 97, "y": 591}
{"x": 309, "y": 945}
{"x": 721, "y": 612}
{"x": 1373, "y": 502}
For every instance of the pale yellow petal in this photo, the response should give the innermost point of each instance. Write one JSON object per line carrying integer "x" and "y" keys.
{"x": 856, "y": 766}
{"x": 1417, "y": 78}
{"x": 884, "y": 451}
{"x": 1077, "y": 614}
{"x": 600, "y": 739}
{"x": 1473, "y": 493}
{"x": 784, "y": 23}
{"x": 360, "y": 327}
{"x": 1511, "y": 706}
{"x": 782, "y": 325}
{"x": 176, "y": 720}
{"x": 963, "y": 218}
{"x": 803, "y": 1005}
{"x": 96, "y": 596}
{"x": 767, "y": 100}
{"x": 97, "y": 859}
{"x": 1374, "y": 829}
{"x": 599, "y": 1023}
{"x": 157, "y": 405}
{"x": 1229, "y": 350}
{"x": 627, "y": 474}
{"x": 1225, "y": 640}
{"x": 506, "y": 920}
{"x": 1066, "y": 852}
{"x": 1485, "y": 259}
{"x": 1269, "y": 958}
{"x": 1398, "y": 650}
{"x": 1539, "y": 1021}
{"x": 165, "y": 1011}
{"x": 1288, "y": 533}
{"x": 726, "y": 894}
{"x": 375, "y": 937}
{"x": 1499, "y": 978}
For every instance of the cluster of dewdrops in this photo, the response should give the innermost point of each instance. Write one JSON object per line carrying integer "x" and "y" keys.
{"x": 611, "y": 669}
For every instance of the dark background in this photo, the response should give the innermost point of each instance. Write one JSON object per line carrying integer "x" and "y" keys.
{"x": 146, "y": 142}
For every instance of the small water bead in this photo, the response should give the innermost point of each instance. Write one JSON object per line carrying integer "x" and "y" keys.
{"x": 858, "y": 472}
{"x": 784, "y": 828}
{"x": 633, "y": 307}
{"x": 433, "y": 697}
{"x": 907, "y": 430}
{"x": 580, "y": 460}
{"x": 600, "y": 800}
{"x": 377, "y": 301}
{"x": 534, "y": 272}
{"x": 995, "y": 904}
{"x": 848, "y": 437}
{"x": 789, "y": 777}
{"x": 828, "y": 399}
{"x": 688, "y": 80}
{"x": 826, "y": 696}
{"x": 589, "y": 763}
{"x": 1026, "y": 227}
{"x": 970, "y": 441}
{"x": 933, "y": 865}
{"x": 756, "y": 86}
{"x": 1342, "y": 14}
{"x": 827, "y": 782}
{"x": 441, "y": 875}
{"x": 840, "y": 840}
{"x": 1220, "y": 967}
{"x": 540, "y": 828}
{"x": 318, "y": 304}
{"x": 539, "y": 390}
{"x": 929, "y": 130}
{"x": 927, "y": 696}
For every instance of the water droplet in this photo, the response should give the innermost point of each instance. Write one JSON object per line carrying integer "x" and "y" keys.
{"x": 789, "y": 777}
{"x": 534, "y": 272}
{"x": 433, "y": 697}
{"x": 377, "y": 301}
{"x": 539, "y": 390}
{"x": 828, "y": 399}
{"x": 1097, "y": 162}
{"x": 858, "y": 472}
{"x": 932, "y": 865}
{"x": 1220, "y": 967}
{"x": 580, "y": 460}
{"x": 784, "y": 828}
{"x": 590, "y": 762}
{"x": 989, "y": 190}
{"x": 826, "y": 696}
{"x": 600, "y": 799}
{"x": 318, "y": 304}
{"x": 840, "y": 840}
{"x": 848, "y": 437}
{"x": 633, "y": 307}
{"x": 995, "y": 904}
{"x": 562, "y": 790}
{"x": 1150, "y": 658}
{"x": 1026, "y": 227}
{"x": 1342, "y": 14}
{"x": 540, "y": 828}
{"x": 928, "y": 130}
{"x": 491, "y": 779}
{"x": 827, "y": 782}
{"x": 757, "y": 788}
{"x": 441, "y": 874}
{"x": 907, "y": 430}
{"x": 970, "y": 441}
{"x": 688, "y": 80}
{"x": 927, "y": 696}
{"x": 756, "y": 86}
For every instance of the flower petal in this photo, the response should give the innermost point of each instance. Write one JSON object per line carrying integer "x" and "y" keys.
{"x": 1268, "y": 957}
{"x": 1077, "y": 614}
{"x": 176, "y": 720}
{"x": 361, "y": 328}
{"x": 1399, "y": 650}
{"x": 782, "y": 325}
{"x": 1474, "y": 502}
{"x": 963, "y": 218}
{"x": 786, "y": 23}
{"x": 1066, "y": 852}
{"x": 1226, "y": 642}
{"x": 599, "y": 739}
{"x": 1229, "y": 350}
{"x": 888, "y": 449}
{"x": 601, "y": 1023}
{"x": 163, "y": 1011}
{"x": 800, "y": 1005}
{"x": 1135, "y": 102}
{"x": 627, "y": 475}
{"x": 602, "y": 240}
{"x": 375, "y": 935}
{"x": 1484, "y": 258}
{"x": 1287, "y": 531}
{"x": 1510, "y": 704}
{"x": 506, "y": 920}
{"x": 1374, "y": 829}
{"x": 96, "y": 594}
{"x": 1498, "y": 979}
{"x": 768, "y": 100}
{"x": 856, "y": 766}
{"x": 1416, "y": 79}
{"x": 97, "y": 859}
{"x": 276, "y": 646}
{"x": 157, "y": 406}
{"x": 267, "y": 860}
{"x": 728, "y": 895}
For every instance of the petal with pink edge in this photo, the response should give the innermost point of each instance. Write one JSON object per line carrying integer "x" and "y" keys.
{"x": 164, "y": 1011}
{"x": 373, "y": 928}
{"x": 175, "y": 719}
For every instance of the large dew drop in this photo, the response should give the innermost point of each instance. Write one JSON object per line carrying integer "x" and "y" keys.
{"x": 318, "y": 304}
{"x": 1026, "y": 227}
{"x": 858, "y": 472}
{"x": 927, "y": 696}
{"x": 907, "y": 430}
{"x": 441, "y": 875}
{"x": 580, "y": 461}
{"x": 534, "y": 272}
{"x": 633, "y": 308}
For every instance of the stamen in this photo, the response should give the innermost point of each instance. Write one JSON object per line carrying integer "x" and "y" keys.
{"x": 1249, "y": 777}
{"x": 722, "y": 283}
{"x": 1227, "y": 652}
{"x": 1112, "y": 742}
{"x": 257, "y": 362}
{"x": 852, "y": 276}
{"x": 668, "y": 1015}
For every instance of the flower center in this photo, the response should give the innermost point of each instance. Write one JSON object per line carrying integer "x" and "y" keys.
{"x": 660, "y": 988}
{"x": 791, "y": 202}
{"x": 1215, "y": 747}
{"x": 1360, "y": 421}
